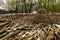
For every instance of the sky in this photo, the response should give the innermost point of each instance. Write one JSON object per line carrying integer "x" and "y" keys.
{"x": 1, "y": 3}
{"x": 4, "y": 0}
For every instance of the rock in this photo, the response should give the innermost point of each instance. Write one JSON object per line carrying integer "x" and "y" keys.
{"x": 34, "y": 12}
{"x": 42, "y": 11}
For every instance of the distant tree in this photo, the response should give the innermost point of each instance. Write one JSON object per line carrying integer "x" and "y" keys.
{"x": 10, "y": 4}
{"x": 20, "y": 5}
{"x": 26, "y": 6}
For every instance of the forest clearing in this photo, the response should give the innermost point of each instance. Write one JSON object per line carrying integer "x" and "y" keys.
{"x": 30, "y": 26}
{"x": 29, "y": 19}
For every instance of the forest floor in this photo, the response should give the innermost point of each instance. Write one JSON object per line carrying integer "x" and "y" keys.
{"x": 30, "y": 26}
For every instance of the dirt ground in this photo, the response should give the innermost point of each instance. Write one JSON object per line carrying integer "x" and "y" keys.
{"x": 42, "y": 18}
